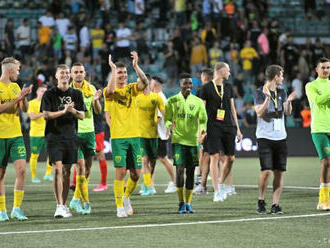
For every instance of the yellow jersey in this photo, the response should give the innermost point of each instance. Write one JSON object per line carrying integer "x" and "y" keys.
{"x": 10, "y": 126}
{"x": 123, "y": 112}
{"x": 37, "y": 127}
{"x": 247, "y": 55}
{"x": 148, "y": 106}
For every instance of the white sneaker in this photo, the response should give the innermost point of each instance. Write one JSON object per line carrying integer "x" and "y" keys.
{"x": 67, "y": 212}
{"x": 199, "y": 190}
{"x": 127, "y": 206}
{"x": 171, "y": 188}
{"x": 230, "y": 190}
{"x": 217, "y": 197}
{"x": 62, "y": 212}
{"x": 222, "y": 191}
{"x": 153, "y": 189}
{"x": 121, "y": 213}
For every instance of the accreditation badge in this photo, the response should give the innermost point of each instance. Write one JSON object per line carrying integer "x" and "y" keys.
{"x": 221, "y": 114}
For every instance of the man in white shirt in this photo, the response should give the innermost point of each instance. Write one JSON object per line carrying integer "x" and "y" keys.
{"x": 84, "y": 38}
{"x": 47, "y": 20}
{"x": 139, "y": 9}
{"x": 23, "y": 34}
{"x": 62, "y": 24}
{"x": 163, "y": 136}
{"x": 123, "y": 36}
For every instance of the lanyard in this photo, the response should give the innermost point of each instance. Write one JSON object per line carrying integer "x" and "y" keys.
{"x": 274, "y": 99}
{"x": 219, "y": 94}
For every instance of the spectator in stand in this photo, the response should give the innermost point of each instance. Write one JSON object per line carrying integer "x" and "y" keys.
{"x": 97, "y": 35}
{"x": 123, "y": 43}
{"x": 306, "y": 115}
{"x": 263, "y": 44}
{"x": 180, "y": 47}
{"x": 208, "y": 35}
{"x": 139, "y": 10}
{"x": 141, "y": 44}
{"x": 273, "y": 41}
{"x": 249, "y": 116}
{"x": 289, "y": 55}
{"x": 44, "y": 34}
{"x": 217, "y": 14}
{"x": 248, "y": 54}
{"x": 47, "y": 20}
{"x": 303, "y": 65}
{"x": 70, "y": 40}
{"x": 230, "y": 9}
{"x": 309, "y": 47}
{"x": 57, "y": 44}
{"x": 62, "y": 24}
{"x": 170, "y": 64}
{"x": 9, "y": 38}
{"x": 84, "y": 38}
{"x": 215, "y": 54}
{"x": 253, "y": 34}
{"x": 297, "y": 86}
{"x": 109, "y": 38}
{"x": 26, "y": 74}
{"x": 23, "y": 34}
{"x": 310, "y": 5}
{"x": 319, "y": 51}
{"x": 206, "y": 10}
{"x": 233, "y": 59}
{"x": 238, "y": 89}
{"x": 180, "y": 12}
{"x": 198, "y": 57}
{"x": 282, "y": 40}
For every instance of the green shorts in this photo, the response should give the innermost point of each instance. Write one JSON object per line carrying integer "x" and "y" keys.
{"x": 322, "y": 144}
{"x": 13, "y": 148}
{"x": 122, "y": 147}
{"x": 149, "y": 147}
{"x": 86, "y": 145}
{"x": 36, "y": 144}
{"x": 185, "y": 155}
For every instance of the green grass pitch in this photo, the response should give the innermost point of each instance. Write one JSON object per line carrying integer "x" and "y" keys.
{"x": 155, "y": 223}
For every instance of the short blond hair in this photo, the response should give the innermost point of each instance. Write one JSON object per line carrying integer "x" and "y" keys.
{"x": 219, "y": 66}
{"x": 10, "y": 60}
{"x": 62, "y": 66}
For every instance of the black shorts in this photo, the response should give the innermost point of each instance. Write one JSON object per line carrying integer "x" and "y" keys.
{"x": 205, "y": 145}
{"x": 272, "y": 154}
{"x": 65, "y": 151}
{"x": 219, "y": 141}
{"x": 162, "y": 148}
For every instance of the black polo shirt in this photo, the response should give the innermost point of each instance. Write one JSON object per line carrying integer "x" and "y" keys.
{"x": 65, "y": 126}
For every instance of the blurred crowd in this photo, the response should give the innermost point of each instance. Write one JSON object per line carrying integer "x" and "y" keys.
{"x": 171, "y": 37}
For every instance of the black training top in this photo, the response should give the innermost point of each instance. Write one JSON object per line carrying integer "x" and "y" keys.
{"x": 213, "y": 103}
{"x": 65, "y": 126}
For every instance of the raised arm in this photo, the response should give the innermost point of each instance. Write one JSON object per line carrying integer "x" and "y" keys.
{"x": 142, "y": 84}
{"x": 262, "y": 108}
{"x": 287, "y": 105}
{"x": 21, "y": 100}
{"x": 112, "y": 80}
{"x": 96, "y": 103}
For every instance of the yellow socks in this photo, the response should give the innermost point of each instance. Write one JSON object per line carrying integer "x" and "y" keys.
{"x": 324, "y": 192}
{"x": 33, "y": 164}
{"x": 81, "y": 190}
{"x": 49, "y": 168}
{"x": 118, "y": 189}
{"x": 189, "y": 193}
{"x": 18, "y": 198}
{"x": 147, "y": 179}
{"x": 2, "y": 203}
{"x": 180, "y": 194}
{"x": 130, "y": 187}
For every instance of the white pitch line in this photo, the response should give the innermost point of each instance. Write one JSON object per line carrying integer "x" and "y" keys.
{"x": 167, "y": 224}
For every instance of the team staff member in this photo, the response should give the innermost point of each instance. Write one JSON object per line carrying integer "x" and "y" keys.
{"x": 318, "y": 93}
{"x": 120, "y": 102}
{"x": 62, "y": 106}
{"x": 185, "y": 114}
{"x": 11, "y": 138}
{"x": 37, "y": 135}
{"x": 222, "y": 126}
{"x": 271, "y": 103}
